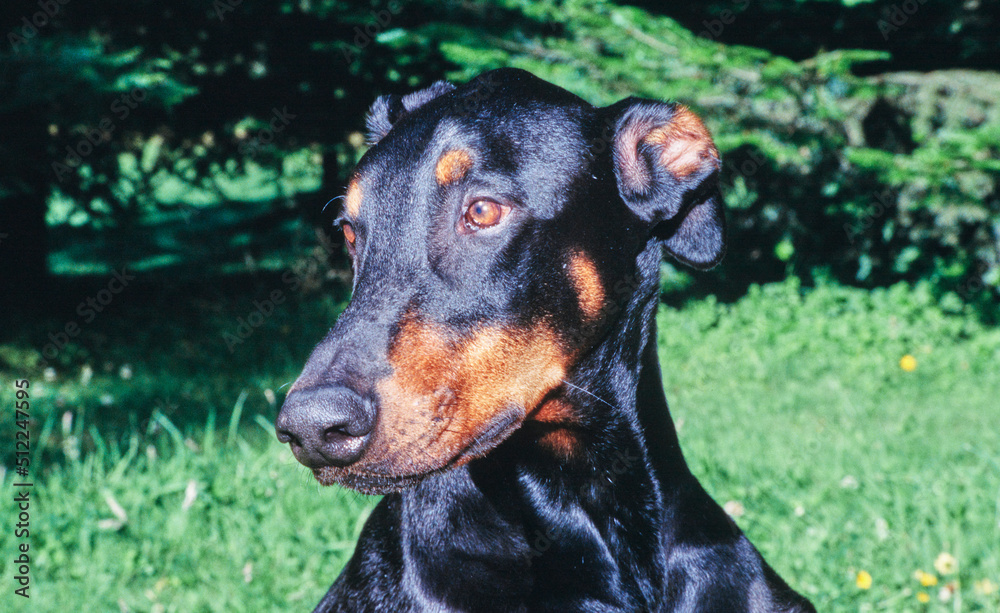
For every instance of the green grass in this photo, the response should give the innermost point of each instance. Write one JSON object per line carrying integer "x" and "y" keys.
{"x": 257, "y": 533}
{"x": 799, "y": 410}
{"x": 791, "y": 403}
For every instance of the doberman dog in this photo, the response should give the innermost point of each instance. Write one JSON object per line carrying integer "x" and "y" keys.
{"x": 495, "y": 374}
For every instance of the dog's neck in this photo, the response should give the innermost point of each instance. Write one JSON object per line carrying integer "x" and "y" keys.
{"x": 620, "y": 384}
{"x": 616, "y": 390}
{"x": 605, "y": 504}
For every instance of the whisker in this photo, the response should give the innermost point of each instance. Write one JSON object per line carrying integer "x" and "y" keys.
{"x": 331, "y": 200}
{"x": 577, "y": 387}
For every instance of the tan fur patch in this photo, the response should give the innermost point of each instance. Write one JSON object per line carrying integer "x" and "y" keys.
{"x": 445, "y": 391}
{"x": 555, "y": 411}
{"x": 686, "y": 145}
{"x": 452, "y": 166}
{"x": 352, "y": 203}
{"x": 561, "y": 440}
{"x": 562, "y": 443}
{"x": 587, "y": 282}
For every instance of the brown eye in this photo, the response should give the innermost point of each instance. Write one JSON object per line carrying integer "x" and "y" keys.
{"x": 484, "y": 214}
{"x": 349, "y": 236}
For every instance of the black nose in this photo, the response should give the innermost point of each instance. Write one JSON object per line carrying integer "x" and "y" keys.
{"x": 326, "y": 426}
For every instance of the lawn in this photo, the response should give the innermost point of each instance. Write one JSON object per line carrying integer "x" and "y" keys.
{"x": 854, "y": 436}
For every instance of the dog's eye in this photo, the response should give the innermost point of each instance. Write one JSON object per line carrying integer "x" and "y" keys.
{"x": 349, "y": 235}
{"x": 484, "y": 214}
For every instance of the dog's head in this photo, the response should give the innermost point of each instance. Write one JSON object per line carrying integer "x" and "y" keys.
{"x": 491, "y": 226}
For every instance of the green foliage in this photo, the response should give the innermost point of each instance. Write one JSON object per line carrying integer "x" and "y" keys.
{"x": 921, "y": 35}
{"x": 129, "y": 120}
{"x": 84, "y": 68}
{"x": 869, "y": 180}
{"x": 873, "y": 180}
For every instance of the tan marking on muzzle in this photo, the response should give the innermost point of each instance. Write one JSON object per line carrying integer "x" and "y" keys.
{"x": 445, "y": 391}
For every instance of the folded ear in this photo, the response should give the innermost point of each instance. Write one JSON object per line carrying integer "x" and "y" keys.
{"x": 388, "y": 109}
{"x": 668, "y": 173}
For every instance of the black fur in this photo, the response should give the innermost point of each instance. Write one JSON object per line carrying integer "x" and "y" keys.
{"x": 617, "y": 522}
{"x": 389, "y": 109}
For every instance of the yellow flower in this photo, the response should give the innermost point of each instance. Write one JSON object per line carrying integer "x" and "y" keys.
{"x": 908, "y": 363}
{"x": 925, "y": 579}
{"x": 945, "y": 563}
{"x": 864, "y": 579}
{"x": 923, "y": 597}
{"x": 986, "y": 587}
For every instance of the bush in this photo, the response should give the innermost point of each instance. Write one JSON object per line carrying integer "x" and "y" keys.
{"x": 868, "y": 180}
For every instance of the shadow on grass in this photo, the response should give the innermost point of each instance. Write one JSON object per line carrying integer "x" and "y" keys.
{"x": 164, "y": 351}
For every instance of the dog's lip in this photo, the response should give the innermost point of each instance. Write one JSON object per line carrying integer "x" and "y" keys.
{"x": 499, "y": 428}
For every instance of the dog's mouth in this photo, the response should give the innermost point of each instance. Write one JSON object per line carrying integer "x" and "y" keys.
{"x": 383, "y": 477}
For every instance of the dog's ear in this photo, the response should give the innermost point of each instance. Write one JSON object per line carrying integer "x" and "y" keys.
{"x": 388, "y": 109}
{"x": 668, "y": 173}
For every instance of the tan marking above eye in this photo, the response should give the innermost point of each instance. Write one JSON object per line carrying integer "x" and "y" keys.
{"x": 587, "y": 283}
{"x": 352, "y": 202}
{"x": 452, "y": 166}
{"x": 686, "y": 144}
